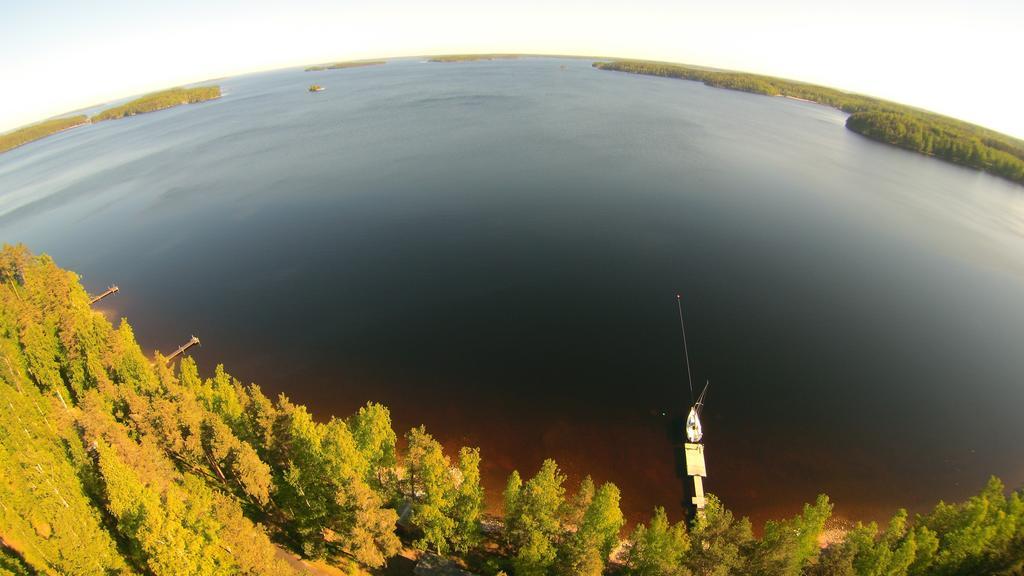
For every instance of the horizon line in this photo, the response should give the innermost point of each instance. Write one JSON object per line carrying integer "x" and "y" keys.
{"x": 275, "y": 68}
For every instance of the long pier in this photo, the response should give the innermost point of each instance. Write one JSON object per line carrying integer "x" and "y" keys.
{"x": 193, "y": 341}
{"x": 112, "y": 290}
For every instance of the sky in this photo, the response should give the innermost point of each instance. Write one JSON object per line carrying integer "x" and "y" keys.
{"x": 960, "y": 58}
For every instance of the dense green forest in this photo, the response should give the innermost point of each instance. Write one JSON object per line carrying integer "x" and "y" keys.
{"x": 911, "y": 128}
{"x": 39, "y": 130}
{"x": 115, "y": 462}
{"x": 159, "y": 101}
{"x": 342, "y": 65}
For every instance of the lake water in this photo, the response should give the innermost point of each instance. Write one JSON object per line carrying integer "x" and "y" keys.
{"x": 494, "y": 248}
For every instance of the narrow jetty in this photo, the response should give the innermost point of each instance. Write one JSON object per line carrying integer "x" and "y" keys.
{"x": 112, "y": 290}
{"x": 193, "y": 341}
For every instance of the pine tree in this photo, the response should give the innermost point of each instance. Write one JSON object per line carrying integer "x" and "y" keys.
{"x": 375, "y": 438}
{"x": 468, "y": 503}
{"x": 577, "y": 506}
{"x": 788, "y": 546}
{"x": 431, "y": 490}
{"x": 536, "y": 519}
{"x": 510, "y": 499}
{"x": 598, "y": 532}
{"x": 658, "y": 548}
{"x": 718, "y": 541}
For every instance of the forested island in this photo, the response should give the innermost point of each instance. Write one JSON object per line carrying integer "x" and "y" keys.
{"x": 342, "y": 65}
{"x": 148, "y": 103}
{"x": 116, "y": 462}
{"x": 472, "y": 57}
{"x": 904, "y": 126}
{"x": 159, "y": 101}
{"x": 39, "y": 130}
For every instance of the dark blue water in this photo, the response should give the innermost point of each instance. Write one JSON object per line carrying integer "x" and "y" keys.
{"x": 494, "y": 248}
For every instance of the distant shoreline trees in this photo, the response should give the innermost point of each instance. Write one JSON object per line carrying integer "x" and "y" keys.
{"x": 343, "y": 65}
{"x": 39, "y": 130}
{"x": 910, "y": 128}
{"x": 148, "y": 103}
{"x": 472, "y": 57}
{"x": 160, "y": 101}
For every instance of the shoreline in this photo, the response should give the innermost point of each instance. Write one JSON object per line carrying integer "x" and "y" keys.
{"x": 944, "y": 138}
{"x": 86, "y": 120}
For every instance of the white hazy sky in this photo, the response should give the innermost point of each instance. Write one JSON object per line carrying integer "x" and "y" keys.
{"x": 961, "y": 58}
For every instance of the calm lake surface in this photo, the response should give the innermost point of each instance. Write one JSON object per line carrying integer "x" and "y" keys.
{"x": 493, "y": 249}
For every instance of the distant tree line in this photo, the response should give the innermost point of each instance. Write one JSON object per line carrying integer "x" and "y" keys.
{"x": 911, "y": 128}
{"x": 912, "y": 133}
{"x": 159, "y": 101}
{"x": 112, "y": 462}
{"x": 342, "y": 65}
{"x": 472, "y": 57}
{"x": 148, "y": 103}
{"x": 42, "y": 129}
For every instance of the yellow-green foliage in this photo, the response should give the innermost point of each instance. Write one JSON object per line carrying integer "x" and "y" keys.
{"x": 32, "y": 132}
{"x": 115, "y": 463}
{"x": 48, "y": 515}
{"x": 159, "y": 101}
{"x": 90, "y": 479}
{"x": 342, "y": 65}
{"x": 911, "y": 128}
{"x": 102, "y": 444}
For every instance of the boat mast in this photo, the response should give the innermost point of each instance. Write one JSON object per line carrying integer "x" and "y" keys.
{"x": 693, "y": 449}
{"x": 686, "y": 353}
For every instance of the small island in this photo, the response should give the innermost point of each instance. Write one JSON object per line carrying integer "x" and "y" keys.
{"x": 342, "y": 65}
{"x": 33, "y": 132}
{"x": 160, "y": 101}
{"x": 472, "y": 57}
{"x": 316, "y": 88}
{"x": 910, "y": 128}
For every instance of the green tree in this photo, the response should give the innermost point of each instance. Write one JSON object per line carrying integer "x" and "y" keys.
{"x": 865, "y": 552}
{"x": 658, "y": 548}
{"x": 321, "y": 491}
{"x": 468, "y": 503}
{"x": 431, "y": 489}
{"x": 577, "y": 506}
{"x": 534, "y": 524}
{"x": 788, "y": 546}
{"x": 367, "y": 529}
{"x": 169, "y": 533}
{"x": 718, "y": 541}
{"x": 587, "y": 548}
{"x": 510, "y": 500}
{"x": 375, "y": 438}
{"x": 984, "y": 535}
{"x": 535, "y": 557}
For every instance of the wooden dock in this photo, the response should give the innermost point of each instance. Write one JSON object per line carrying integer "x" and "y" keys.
{"x": 193, "y": 341}
{"x": 112, "y": 290}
